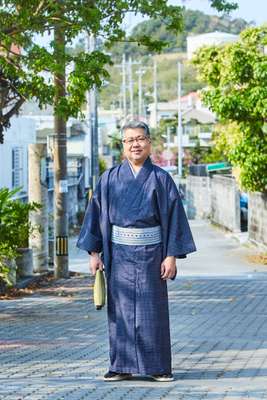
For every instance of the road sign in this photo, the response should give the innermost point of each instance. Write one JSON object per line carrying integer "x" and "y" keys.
{"x": 218, "y": 166}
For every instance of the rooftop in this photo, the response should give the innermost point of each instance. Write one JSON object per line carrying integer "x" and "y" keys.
{"x": 214, "y": 34}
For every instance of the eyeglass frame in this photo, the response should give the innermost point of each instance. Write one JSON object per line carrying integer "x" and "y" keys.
{"x": 137, "y": 139}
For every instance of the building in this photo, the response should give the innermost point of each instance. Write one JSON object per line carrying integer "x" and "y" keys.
{"x": 197, "y": 127}
{"x": 78, "y": 141}
{"x": 169, "y": 109}
{"x": 208, "y": 39}
{"x": 14, "y": 153}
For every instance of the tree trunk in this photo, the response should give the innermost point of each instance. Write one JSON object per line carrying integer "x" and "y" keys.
{"x": 38, "y": 192}
{"x": 60, "y": 165}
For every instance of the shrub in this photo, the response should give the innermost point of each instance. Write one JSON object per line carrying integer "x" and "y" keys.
{"x": 15, "y": 228}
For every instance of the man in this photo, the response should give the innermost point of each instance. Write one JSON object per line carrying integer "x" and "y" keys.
{"x": 136, "y": 219}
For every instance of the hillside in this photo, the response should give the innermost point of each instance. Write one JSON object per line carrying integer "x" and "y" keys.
{"x": 195, "y": 22}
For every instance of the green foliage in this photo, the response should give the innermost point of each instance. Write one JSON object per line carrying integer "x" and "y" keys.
{"x": 33, "y": 67}
{"x": 236, "y": 75}
{"x": 15, "y": 228}
{"x": 6, "y": 254}
{"x": 116, "y": 146}
{"x": 192, "y": 22}
{"x": 166, "y": 78}
{"x": 29, "y": 70}
{"x": 102, "y": 166}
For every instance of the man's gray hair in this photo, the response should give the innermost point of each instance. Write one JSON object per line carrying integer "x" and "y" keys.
{"x": 135, "y": 125}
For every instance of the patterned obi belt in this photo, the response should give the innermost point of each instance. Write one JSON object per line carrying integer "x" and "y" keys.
{"x": 136, "y": 236}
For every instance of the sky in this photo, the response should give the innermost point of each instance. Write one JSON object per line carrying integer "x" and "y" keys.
{"x": 250, "y": 10}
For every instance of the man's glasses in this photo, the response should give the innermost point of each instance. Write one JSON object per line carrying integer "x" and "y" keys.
{"x": 138, "y": 139}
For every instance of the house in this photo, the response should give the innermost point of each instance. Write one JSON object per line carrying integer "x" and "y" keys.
{"x": 14, "y": 153}
{"x": 197, "y": 127}
{"x": 208, "y": 39}
{"x": 168, "y": 109}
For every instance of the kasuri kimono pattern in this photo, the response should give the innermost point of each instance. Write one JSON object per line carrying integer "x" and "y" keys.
{"x": 137, "y": 297}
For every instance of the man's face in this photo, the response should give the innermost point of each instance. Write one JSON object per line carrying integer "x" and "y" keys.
{"x": 136, "y": 145}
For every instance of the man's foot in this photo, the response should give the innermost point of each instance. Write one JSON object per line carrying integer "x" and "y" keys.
{"x": 163, "y": 377}
{"x": 116, "y": 376}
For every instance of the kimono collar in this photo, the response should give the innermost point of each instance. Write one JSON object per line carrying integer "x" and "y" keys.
{"x": 143, "y": 174}
{"x": 146, "y": 167}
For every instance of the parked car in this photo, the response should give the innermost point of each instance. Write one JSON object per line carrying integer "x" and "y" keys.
{"x": 244, "y": 211}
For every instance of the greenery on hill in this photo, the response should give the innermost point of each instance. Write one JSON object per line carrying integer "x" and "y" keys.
{"x": 195, "y": 22}
{"x": 110, "y": 96}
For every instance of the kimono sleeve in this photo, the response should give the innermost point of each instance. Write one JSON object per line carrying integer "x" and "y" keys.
{"x": 90, "y": 237}
{"x": 180, "y": 239}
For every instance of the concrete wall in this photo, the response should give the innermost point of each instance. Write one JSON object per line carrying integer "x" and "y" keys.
{"x": 216, "y": 198}
{"x": 225, "y": 202}
{"x": 198, "y": 197}
{"x": 257, "y": 217}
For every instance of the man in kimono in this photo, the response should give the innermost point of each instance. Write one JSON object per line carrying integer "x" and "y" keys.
{"x": 136, "y": 221}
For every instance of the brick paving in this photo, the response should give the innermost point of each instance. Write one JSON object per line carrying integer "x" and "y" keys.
{"x": 54, "y": 345}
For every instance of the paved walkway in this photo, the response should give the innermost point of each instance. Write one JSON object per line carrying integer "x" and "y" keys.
{"x": 53, "y": 344}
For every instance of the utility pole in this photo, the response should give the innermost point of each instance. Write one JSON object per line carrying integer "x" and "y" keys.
{"x": 131, "y": 87}
{"x": 140, "y": 72}
{"x": 60, "y": 162}
{"x": 179, "y": 127}
{"x": 87, "y": 140}
{"x": 168, "y": 145}
{"x": 93, "y": 124}
{"x": 124, "y": 67}
{"x": 124, "y": 99}
{"x": 155, "y": 92}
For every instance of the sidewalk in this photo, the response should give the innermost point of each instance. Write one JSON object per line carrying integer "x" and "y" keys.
{"x": 54, "y": 345}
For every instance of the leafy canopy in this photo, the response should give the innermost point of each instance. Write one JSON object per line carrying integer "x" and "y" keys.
{"x": 27, "y": 69}
{"x": 236, "y": 77}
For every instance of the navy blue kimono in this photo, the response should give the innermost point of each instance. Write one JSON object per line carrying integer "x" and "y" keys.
{"x": 137, "y": 298}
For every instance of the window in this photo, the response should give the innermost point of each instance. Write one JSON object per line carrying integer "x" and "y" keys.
{"x": 17, "y": 167}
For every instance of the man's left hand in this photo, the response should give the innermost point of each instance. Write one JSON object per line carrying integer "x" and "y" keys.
{"x": 168, "y": 268}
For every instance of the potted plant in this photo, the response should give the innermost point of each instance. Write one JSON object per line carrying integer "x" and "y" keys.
{"x": 15, "y": 229}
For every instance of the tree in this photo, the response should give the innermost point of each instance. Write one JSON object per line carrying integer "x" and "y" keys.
{"x": 194, "y": 22}
{"x": 236, "y": 75}
{"x": 39, "y": 71}
{"x": 28, "y": 72}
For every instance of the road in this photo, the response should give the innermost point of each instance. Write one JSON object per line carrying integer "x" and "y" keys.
{"x": 218, "y": 254}
{"x": 54, "y": 345}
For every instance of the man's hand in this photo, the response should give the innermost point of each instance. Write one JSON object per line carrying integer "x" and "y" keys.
{"x": 168, "y": 268}
{"x": 95, "y": 263}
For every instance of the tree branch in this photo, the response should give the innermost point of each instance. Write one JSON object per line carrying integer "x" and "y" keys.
{"x": 14, "y": 110}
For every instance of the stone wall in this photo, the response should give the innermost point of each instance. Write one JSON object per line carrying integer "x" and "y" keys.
{"x": 225, "y": 202}
{"x": 198, "y": 197}
{"x": 216, "y": 198}
{"x": 257, "y": 217}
